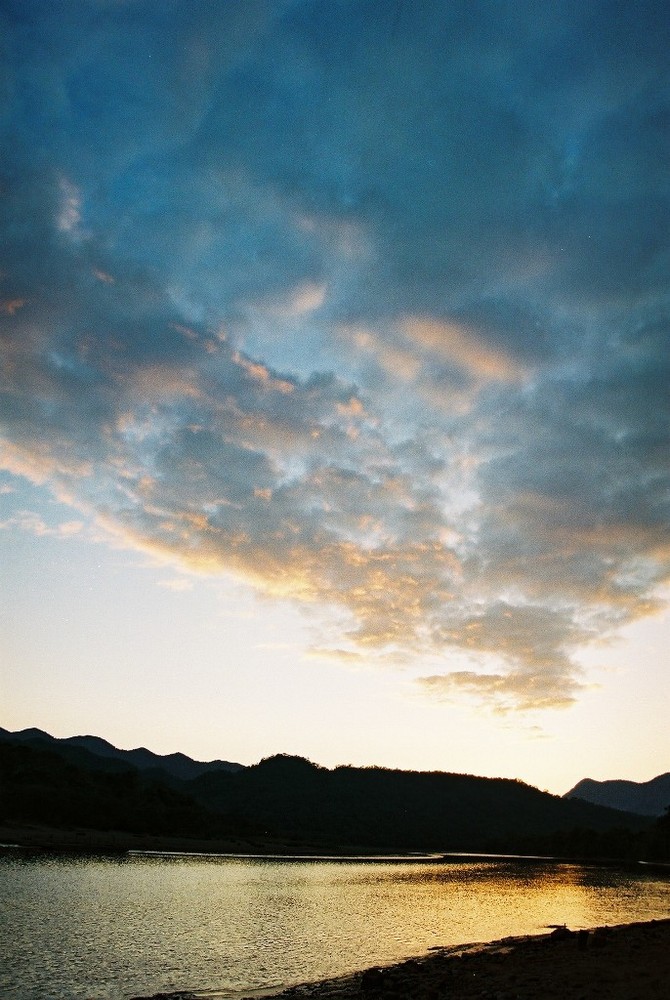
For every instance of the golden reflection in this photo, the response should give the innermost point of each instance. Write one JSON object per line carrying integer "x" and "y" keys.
{"x": 250, "y": 923}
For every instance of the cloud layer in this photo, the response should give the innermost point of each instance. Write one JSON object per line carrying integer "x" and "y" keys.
{"x": 365, "y": 303}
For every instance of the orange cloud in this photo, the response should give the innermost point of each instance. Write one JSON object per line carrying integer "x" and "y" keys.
{"x": 11, "y": 306}
{"x": 522, "y": 690}
{"x": 352, "y": 408}
{"x": 259, "y": 373}
{"x": 38, "y": 465}
{"x": 395, "y": 359}
{"x": 462, "y": 347}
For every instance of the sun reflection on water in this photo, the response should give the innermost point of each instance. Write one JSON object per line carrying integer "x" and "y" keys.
{"x": 108, "y": 928}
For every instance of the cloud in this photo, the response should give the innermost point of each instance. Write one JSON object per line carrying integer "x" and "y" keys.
{"x": 533, "y": 640}
{"x": 366, "y": 308}
{"x": 10, "y": 306}
{"x": 34, "y": 524}
{"x": 451, "y": 343}
{"x": 339, "y": 655}
{"x": 506, "y": 690}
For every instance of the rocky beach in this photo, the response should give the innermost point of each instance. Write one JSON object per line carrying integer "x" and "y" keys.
{"x": 627, "y": 962}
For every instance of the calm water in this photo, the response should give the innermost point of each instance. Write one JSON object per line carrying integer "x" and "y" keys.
{"x": 73, "y": 928}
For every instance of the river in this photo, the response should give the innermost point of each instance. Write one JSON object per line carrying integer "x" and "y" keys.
{"x": 78, "y": 928}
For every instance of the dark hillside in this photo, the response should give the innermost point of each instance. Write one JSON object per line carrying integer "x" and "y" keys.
{"x": 178, "y": 765}
{"x": 398, "y": 810}
{"x": 290, "y": 802}
{"x": 648, "y": 798}
{"x": 39, "y": 786}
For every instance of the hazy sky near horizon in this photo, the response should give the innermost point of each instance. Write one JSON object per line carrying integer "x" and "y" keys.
{"x": 334, "y": 380}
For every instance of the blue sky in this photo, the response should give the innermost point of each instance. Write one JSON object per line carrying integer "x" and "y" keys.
{"x": 335, "y": 379}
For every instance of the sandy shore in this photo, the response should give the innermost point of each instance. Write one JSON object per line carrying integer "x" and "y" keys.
{"x": 628, "y": 962}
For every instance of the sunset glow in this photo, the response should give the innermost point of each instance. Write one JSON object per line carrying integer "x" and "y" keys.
{"x": 334, "y": 382}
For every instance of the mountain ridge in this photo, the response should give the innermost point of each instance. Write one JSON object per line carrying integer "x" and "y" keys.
{"x": 288, "y": 804}
{"x": 646, "y": 798}
{"x": 177, "y": 765}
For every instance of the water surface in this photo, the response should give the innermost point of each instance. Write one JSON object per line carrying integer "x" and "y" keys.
{"x": 79, "y": 928}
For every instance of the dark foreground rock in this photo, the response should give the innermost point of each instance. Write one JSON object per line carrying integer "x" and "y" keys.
{"x": 627, "y": 962}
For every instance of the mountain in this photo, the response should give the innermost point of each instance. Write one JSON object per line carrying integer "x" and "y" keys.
{"x": 647, "y": 798}
{"x": 177, "y": 765}
{"x": 288, "y": 804}
{"x": 55, "y": 790}
{"x": 399, "y": 810}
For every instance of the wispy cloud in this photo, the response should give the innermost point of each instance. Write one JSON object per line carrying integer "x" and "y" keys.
{"x": 34, "y": 524}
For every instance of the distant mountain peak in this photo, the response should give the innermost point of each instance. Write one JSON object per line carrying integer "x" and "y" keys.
{"x": 647, "y": 798}
{"x": 178, "y": 765}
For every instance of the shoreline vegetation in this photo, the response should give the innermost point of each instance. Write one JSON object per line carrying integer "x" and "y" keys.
{"x": 622, "y": 962}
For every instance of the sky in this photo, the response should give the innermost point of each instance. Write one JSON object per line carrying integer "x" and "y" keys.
{"x": 334, "y": 410}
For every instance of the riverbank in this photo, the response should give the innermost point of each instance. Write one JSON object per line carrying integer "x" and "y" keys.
{"x": 78, "y": 840}
{"x": 35, "y": 836}
{"x": 625, "y": 962}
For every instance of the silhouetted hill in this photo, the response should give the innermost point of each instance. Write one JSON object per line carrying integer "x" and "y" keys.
{"x": 399, "y": 810}
{"x": 647, "y": 798}
{"x": 41, "y": 786}
{"x": 178, "y": 765}
{"x": 289, "y": 801}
